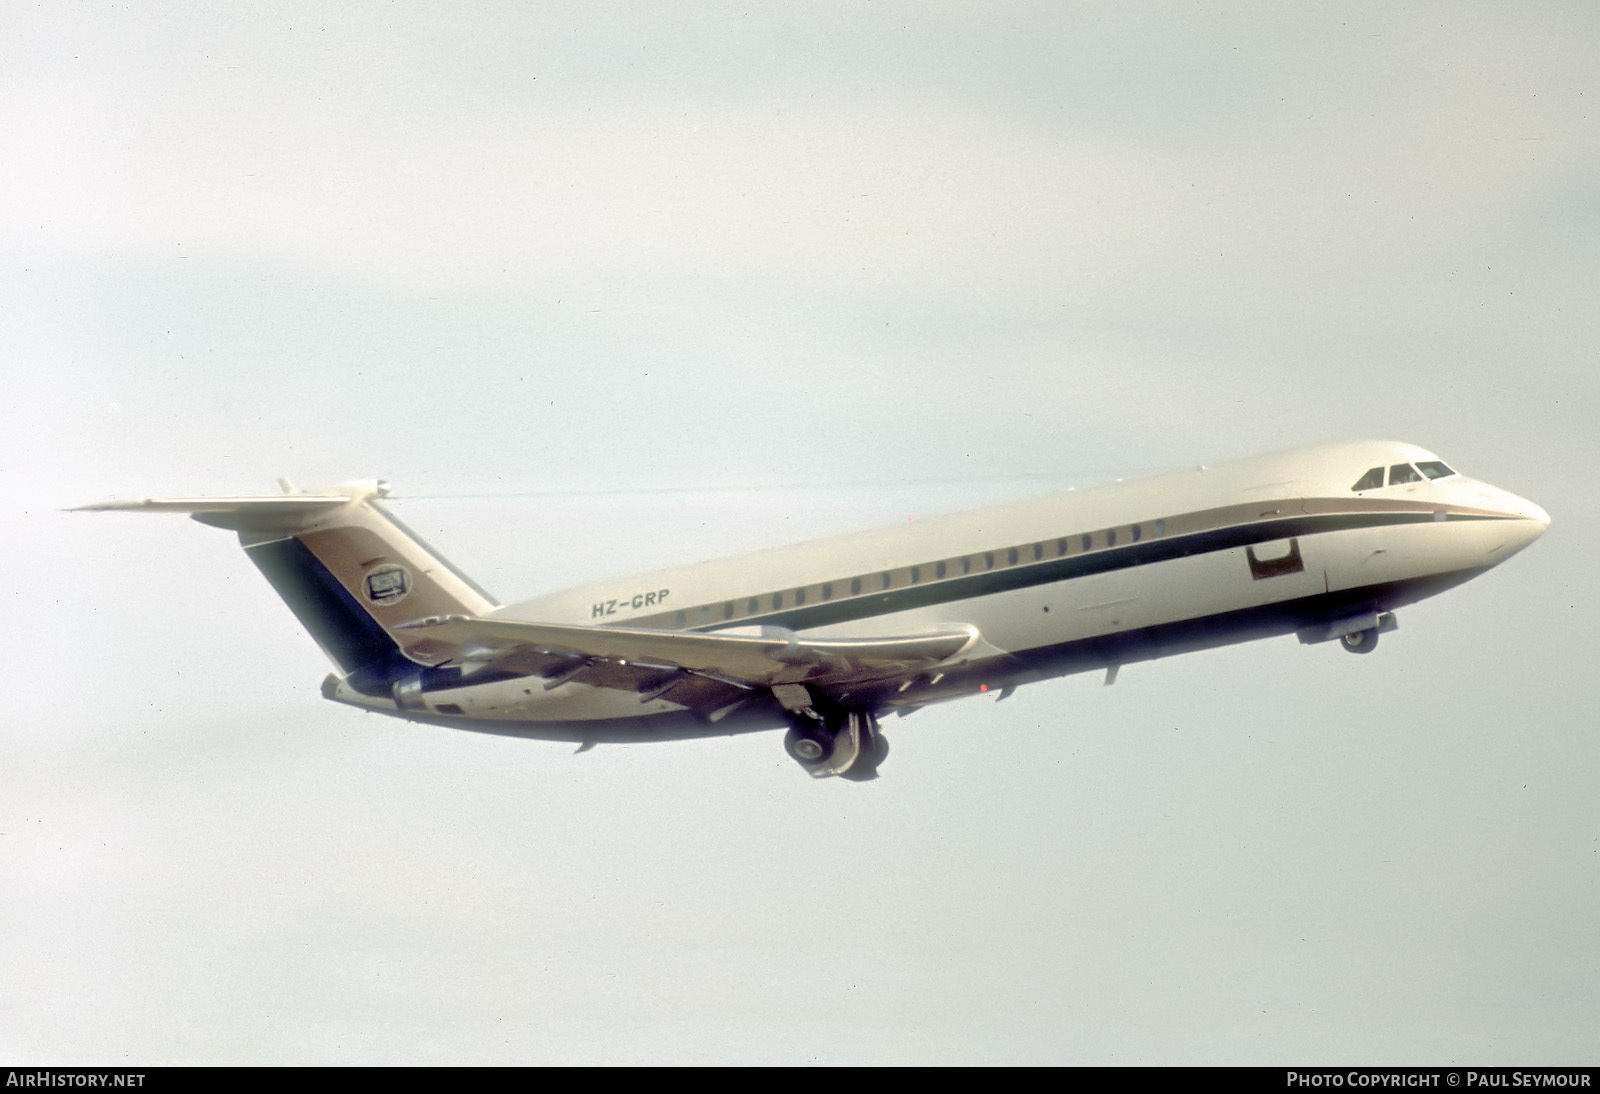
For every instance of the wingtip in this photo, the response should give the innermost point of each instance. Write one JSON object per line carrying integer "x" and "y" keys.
{"x": 112, "y": 506}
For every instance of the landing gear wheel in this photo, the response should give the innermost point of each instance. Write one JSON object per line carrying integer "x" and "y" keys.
{"x": 1360, "y": 641}
{"x": 808, "y": 745}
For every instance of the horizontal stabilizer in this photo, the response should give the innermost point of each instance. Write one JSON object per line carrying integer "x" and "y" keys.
{"x": 756, "y": 661}
{"x": 288, "y": 513}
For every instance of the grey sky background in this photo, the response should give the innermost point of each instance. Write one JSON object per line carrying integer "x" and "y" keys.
{"x": 706, "y": 277}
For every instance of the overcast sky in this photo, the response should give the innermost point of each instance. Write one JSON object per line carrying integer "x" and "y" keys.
{"x": 680, "y": 280}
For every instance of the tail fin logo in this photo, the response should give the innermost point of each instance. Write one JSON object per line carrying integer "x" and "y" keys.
{"x": 388, "y": 584}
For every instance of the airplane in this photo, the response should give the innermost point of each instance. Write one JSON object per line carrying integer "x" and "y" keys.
{"x": 826, "y": 638}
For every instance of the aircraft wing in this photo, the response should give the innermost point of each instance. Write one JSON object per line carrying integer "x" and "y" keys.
{"x": 702, "y": 671}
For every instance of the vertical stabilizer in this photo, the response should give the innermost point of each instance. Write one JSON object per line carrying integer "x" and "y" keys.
{"x": 349, "y": 570}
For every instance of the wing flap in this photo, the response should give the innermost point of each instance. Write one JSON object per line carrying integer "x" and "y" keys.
{"x": 705, "y": 694}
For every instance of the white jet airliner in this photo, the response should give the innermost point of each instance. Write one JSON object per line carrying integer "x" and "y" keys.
{"x": 827, "y": 637}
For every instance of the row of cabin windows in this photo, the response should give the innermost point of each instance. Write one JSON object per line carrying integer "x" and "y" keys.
{"x": 1402, "y": 473}
{"x": 797, "y": 598}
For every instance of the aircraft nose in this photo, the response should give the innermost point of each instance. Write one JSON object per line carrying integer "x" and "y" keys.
{"x": 1538, "y": 520}
{"x": 1532, "y": 518}
{"x": 1532, "y": 522}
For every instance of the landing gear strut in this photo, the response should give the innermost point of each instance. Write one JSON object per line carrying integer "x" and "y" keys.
{"x": 845, "y": 743}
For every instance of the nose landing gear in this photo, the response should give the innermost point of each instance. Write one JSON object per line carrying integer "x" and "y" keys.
{"x": 1358, "y": 634}
{"x": 1360, "y": 641}
{"x": 1365, "y": 640}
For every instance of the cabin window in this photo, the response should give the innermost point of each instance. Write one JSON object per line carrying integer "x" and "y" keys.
{"x": 1061, "y": 546}
{"x": 1038, "y": 551}
{"x": 727, "y": 610}
{"x": 1133, "y": 534}
{"x": 827, "y": 591}
{"x": 938, "y": 570}
{"x": 1088, "y": 541}
{"x": 777, "y": 601}
{"x": 988, "y": 560}
{"x": 1161, "y": 527}
{"x": 966, "y": 565}
{"x": 753, "y": 607}
{"x": 1434, "y": 469}
{"x": 1403, "y": 472}
{"x": 855, "y": 586}
{"x": 916, "y": 574}
{"x": 799, "y": 597}
{"x": 1370, "y": 481}
{"x": 705, "y": 614}
{"x": 1011, "y": 557}
{"x": 883, "y": 580}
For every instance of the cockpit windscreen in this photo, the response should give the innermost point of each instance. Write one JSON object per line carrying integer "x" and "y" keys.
{"x": 1401, "y": 473}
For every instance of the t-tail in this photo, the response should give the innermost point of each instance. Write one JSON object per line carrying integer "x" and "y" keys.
{"x": 347, "y": 567}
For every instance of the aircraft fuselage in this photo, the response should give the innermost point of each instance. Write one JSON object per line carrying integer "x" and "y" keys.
{"x": 1086, "y": 580}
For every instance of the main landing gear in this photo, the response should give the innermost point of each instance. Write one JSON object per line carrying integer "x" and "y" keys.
{"x": 830, "y": 740}
{"x": 845, "y": 743}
